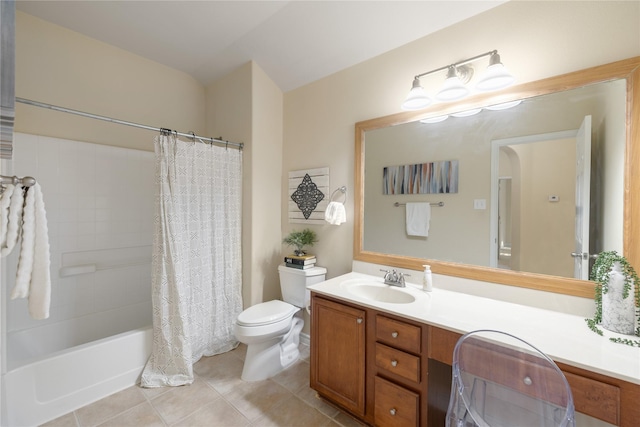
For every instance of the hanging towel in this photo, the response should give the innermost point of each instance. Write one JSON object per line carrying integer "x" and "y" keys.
{"x": 418, "y": 216}
{"x": 11, "y": 213}
{"x": 33, "y": 279}
{"x": 335, "y": 213}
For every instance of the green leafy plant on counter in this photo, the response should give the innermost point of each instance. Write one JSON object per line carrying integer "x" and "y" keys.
{"x": 600, "y": 274}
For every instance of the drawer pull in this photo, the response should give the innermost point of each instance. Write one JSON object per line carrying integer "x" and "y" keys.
{"x": 392, "y": 411}
{"x": 359, "y": 320}
{"x": 394, "y": 334}
{"x": 527, "y": 380}
{"x": 394, "y": 363}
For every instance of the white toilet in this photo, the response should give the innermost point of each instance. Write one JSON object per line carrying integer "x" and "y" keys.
{"x": 271, "y": 329}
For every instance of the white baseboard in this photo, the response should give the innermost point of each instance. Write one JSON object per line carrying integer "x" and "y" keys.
{"x": 305, "y": 339}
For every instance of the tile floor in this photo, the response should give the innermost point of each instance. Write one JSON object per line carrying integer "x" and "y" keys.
{"x": 218, "y": 397}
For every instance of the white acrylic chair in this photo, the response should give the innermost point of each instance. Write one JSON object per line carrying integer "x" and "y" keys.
{"x": 501, "y": 380}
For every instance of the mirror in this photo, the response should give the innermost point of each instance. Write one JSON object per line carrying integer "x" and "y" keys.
{"x": 379, "y": 240}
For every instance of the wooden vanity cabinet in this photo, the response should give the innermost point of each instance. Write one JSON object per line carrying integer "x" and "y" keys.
{"x": 338, "y": 353}
{"x": 371, "y": 364}
{"x": 390, "y": 371}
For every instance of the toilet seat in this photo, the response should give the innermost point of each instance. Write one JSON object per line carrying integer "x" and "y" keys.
{"x": 266, "y": 313}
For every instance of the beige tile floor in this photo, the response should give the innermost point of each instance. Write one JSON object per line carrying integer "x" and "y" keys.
{"x": 218, "y": 397}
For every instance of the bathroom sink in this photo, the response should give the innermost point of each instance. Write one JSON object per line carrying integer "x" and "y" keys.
{"x": 377, "y": 291}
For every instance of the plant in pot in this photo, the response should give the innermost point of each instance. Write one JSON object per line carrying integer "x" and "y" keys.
{"x": 300, "y": 239}
{"x": 617, "y": 297}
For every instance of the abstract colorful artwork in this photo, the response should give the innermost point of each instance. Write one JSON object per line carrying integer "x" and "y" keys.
{"x": 421, "y": 178}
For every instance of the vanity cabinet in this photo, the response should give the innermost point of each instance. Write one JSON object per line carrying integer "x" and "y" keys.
{"x": 391, "y": 371}
{"x": 338, "y": 353}
{"x": 369, "y": 363}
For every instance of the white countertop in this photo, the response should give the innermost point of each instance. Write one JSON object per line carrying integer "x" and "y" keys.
{"x": 563, "y": 337}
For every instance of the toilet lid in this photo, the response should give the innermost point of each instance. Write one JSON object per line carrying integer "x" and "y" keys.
{"x": 266, "y": 313}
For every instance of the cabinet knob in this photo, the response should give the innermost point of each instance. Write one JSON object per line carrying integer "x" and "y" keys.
{"x": 392, "y": 411}
{"x": 394, "y": 363}
{"x": 394, "y": 334}
{"x": 359, "y": 320}
{"x": 527, "y": 380}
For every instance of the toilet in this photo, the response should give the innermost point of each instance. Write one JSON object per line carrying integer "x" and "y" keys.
{"x": 271, "y": 330}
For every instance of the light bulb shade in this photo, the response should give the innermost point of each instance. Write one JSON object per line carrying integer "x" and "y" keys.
{"x": 436, "y": 119}
{"x": 496, "y": 76}
{"x": 417, "y": 98}
{"x": 453, "y": 88}
{"x": 467, "y": 113}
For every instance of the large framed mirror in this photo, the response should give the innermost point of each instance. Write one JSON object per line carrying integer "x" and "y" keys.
{"x": 480, "y": 232}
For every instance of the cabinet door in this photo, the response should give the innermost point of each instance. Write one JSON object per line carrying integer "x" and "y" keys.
{"x": 337, "y": 353}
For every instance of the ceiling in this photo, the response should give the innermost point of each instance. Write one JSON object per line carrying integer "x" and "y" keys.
{"x": 294, "y": 42}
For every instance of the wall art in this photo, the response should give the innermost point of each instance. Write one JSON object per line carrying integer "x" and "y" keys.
{"x": 421, "y": 178}
{"x": 308, "y": 199}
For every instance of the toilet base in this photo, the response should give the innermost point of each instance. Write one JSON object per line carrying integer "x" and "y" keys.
{"x": 266, "y": 359}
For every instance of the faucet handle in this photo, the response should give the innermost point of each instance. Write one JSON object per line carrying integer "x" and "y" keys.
{"x": 401, "y": 277}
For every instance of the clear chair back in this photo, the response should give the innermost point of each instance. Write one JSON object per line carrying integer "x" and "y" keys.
{"x": 501, "y": 380}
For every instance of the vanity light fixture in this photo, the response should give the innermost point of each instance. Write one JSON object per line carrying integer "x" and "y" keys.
{"x": 455, "y": 86}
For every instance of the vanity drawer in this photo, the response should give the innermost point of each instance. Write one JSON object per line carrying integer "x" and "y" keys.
{"x": 395, "y": 405}
{"x": 595, "y": 398}
{"x": 398, "y": 362}
{"x": 398, "y": 334}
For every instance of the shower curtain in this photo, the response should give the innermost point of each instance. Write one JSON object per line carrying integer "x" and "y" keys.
{"x": 196, "y": 262}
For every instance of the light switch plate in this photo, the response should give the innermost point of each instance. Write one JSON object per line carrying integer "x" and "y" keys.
{"x": 479, "y": 204}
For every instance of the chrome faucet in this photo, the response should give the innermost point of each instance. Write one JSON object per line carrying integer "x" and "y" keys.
{"x": 394, "y": 278}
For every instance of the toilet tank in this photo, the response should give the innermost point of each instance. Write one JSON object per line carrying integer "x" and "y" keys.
{"x": 294, "y": 283}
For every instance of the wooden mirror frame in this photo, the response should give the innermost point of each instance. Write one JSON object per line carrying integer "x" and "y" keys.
{"x": 628, "y": 69}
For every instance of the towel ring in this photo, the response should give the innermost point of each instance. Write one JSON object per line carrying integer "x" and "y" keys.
{"x": 343, "y": 189}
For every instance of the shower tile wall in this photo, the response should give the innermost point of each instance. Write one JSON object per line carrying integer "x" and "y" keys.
{"x": 99, "y": 203}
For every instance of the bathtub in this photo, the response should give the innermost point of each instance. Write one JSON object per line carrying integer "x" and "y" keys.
{"x": 45, "y": 389}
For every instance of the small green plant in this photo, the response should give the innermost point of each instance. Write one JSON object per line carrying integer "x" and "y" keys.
{"x": 600, "y": 274}
{"x": 300, "y": 239}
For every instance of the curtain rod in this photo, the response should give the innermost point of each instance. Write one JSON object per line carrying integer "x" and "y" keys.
{"x": 193, "y": 136}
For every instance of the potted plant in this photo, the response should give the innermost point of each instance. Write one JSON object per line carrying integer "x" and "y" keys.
{"x": 300, "y": 239}
{"x": 618, "y": 283}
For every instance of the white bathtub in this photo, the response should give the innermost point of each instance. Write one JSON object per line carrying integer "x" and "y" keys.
{"x": 43, "y": 390}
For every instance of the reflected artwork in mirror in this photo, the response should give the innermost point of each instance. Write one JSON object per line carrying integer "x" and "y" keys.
{"x": 513, "y": 220}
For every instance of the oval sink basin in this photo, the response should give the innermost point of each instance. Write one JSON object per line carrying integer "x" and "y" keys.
{"x": 378, "y": 292}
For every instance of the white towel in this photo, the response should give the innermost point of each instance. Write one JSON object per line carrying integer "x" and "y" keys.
{"x": 418, "y": 216}
{"x": 335, "y": 213}
{"x": 33, "y": 278}
{"x": 11, "y": 213}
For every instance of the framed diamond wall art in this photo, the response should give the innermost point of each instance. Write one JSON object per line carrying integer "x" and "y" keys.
{"x": 308, "y": 197}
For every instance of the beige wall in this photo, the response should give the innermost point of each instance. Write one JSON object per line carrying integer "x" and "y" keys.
{"x": 247, "y": 105}
{"x": 535, "y": 39}
{"x": 54, "y": 65}
{"x": 60, "y": 67}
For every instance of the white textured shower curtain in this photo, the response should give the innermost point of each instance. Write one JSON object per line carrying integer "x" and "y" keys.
{"x": 196, "y": 264}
